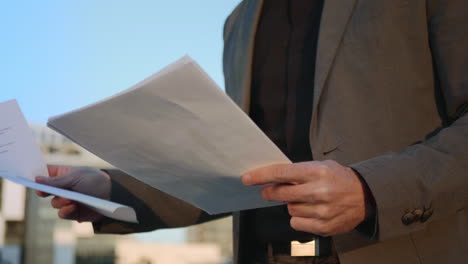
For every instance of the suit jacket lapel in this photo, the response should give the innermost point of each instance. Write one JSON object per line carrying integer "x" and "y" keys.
{"x": 238, "y": 54}
{"x": 237, "y": 61}
{"x": 335, "y": 17}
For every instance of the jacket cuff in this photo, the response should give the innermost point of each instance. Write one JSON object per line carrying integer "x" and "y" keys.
{"x": 365, "y": 233}
{"x": 396, "y": 194}
{"x": 109, "y": 225}
{"x": 369, "y": 227}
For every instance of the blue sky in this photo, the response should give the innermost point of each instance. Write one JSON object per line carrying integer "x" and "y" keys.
{"x": 58, "y": 55}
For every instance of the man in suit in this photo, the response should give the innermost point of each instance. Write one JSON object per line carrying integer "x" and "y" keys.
{"x": 376, "y": 93}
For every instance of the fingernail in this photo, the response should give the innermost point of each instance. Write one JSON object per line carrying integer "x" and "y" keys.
{"x": 246, "y": 179}
{"x": 41, "y": 179}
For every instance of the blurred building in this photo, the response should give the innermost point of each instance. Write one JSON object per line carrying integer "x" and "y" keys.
{"x": 62, "y": 151}
{"x": 218, "y": 232}
{"x": 132, "y": 252}
{"x": 49, "y": 239}
{"x": 12, "y": 215}
{"x": 31, "y": 232}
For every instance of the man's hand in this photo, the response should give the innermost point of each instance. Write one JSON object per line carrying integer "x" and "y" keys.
{"x": 324, "y": 198}
{"x": 84, "y": 180}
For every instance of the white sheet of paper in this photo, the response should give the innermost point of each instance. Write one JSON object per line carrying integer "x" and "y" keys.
{"x": 21, "y": 161}
{"x": 177, "y": 131}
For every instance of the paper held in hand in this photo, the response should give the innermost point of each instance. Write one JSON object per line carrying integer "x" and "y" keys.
{"x": 178, "y": 132}
{"x": 21, "y": 161}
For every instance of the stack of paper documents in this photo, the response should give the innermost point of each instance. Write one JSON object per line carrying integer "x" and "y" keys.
{"x": 177, "y": 131}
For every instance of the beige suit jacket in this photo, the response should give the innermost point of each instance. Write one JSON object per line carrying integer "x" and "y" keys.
{"x": 391, "y": 101}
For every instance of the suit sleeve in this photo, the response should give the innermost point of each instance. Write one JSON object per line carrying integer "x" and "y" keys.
{"x": 431, "y": 176}
{"x": 154, "y": 208}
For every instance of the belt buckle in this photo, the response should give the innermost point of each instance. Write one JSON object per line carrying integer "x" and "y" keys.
{"x": 305, "y": 249}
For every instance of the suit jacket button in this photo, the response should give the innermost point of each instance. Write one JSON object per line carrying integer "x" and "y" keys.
{"x": 408, "y": 218}
{"x": 427, "y": 214}
{"x": 418, "y": 213}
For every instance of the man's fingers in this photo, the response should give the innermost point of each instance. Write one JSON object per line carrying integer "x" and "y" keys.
{"x": 42, "y": 194}
{"x": 55, "y": 171}
{"x": 316, "y": 211}
{"x": 64, "y": 182}
{"x": 277, "y": 173}
{"x": 286, "y": 193}
{"x": 59, "y": 202}
{"x": 69, "y": 212}
{"x": 41, "y": 180}
{"x": 311, "y": 225}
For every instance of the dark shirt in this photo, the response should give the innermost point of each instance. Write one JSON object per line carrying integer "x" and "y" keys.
{"x": 282, "y": 94}
{"x": 283, "y": 73}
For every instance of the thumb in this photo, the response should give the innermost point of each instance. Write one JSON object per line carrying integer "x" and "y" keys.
{"x": 57, "y": 171}
{"x": 64, "y": 182}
